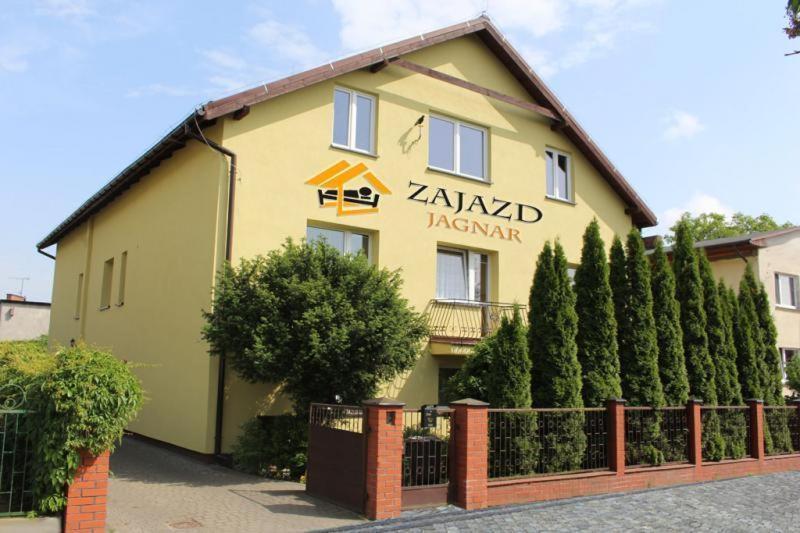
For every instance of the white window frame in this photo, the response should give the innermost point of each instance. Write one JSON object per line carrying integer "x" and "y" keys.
{"x": 795, "y": 285}
{"x": 783, "y": 359}
{"x": 555, "y": 196}
{"x": 457, "y": 149}
{"x": 470, "y": 275}
{"x": 347, "y": 234}
{"x": 352, "y": 118}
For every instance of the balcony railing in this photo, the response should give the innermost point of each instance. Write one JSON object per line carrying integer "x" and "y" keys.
{"x": 466, "y": 321}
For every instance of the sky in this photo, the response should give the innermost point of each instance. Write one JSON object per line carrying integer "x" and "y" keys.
{"x": 695, "y": 104}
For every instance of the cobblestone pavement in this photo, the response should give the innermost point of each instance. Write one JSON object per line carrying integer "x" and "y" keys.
{"x": 153, "y": 489}
{"x": 759, "y": 503}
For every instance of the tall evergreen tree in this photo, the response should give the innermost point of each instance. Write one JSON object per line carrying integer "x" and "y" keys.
{"x": 729, "y": 309}
{"x": 749, "y": 340}
{"x": 618, "y": 279}
{"x": 597, "y": 327}
{"x": 699, "y": 365}
{"x": 734, "y": 425}
{"x": 508, "y": 381}
{"x": 556, "y": 372}
{"x": 671, "y": 363}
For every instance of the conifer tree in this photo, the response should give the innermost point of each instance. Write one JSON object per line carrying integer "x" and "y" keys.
{"x": 556, "y": 372}
{"x": 597, "y": 327}
{"x": 699, "y": 365}
{"x": 734, "y": 425}
{"x": 749, "y": 340}
{"x": 671, "y": 363}
{"x": 508, "y": 381}
{"x": 729, "y": 309}
{"x": 618, "y": 279}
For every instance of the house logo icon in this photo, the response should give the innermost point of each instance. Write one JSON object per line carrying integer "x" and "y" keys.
{"x": 353, "y": 200}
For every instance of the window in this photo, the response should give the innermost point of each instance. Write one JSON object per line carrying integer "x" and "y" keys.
{"x": 348, "y": 242}
{"x": 77, "y": 314}
{"x": 123, "y": 270}
{"x": 457, "y": 147}
{"x": 558, "y": 175}
{"x": 444, "y": 376}
{"x": 786, "y": 290}
{"x": 353, "y": 120}
{"x": 461, "y": 275}
{"x": 105, "y": 289}
{"x": 787, "y": 354}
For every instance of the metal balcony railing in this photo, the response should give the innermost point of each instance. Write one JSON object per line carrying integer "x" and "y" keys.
{"x": 466, "y": 321}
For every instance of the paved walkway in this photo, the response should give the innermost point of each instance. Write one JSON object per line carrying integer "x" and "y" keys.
{"x": 153, "y": 489}
{"x": 762, "y": 503}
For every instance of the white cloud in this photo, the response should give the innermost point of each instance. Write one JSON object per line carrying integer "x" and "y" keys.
{"x": 13, "y": 58}
{"x": 682, "y": 125}
{"x": 287, "y": 41}
{"x": 697, "y": 204}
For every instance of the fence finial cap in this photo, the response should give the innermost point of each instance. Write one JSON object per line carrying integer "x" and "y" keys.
{"x": 383, "y": 401}
{"x": 754, "y": 400}
{"x": 695, "y": 400}
{"x": 470, "y": 402}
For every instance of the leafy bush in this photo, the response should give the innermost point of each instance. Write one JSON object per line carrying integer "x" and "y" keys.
{"x": 793, "y": 375}
{"x": 270, "y": 445}
{"x": 83, "y": 398}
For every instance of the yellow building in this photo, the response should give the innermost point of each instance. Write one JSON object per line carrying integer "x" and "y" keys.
{"x": 443, "y": 155}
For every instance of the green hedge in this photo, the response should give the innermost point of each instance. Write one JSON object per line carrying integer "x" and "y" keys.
{"x": 82, "y": 398}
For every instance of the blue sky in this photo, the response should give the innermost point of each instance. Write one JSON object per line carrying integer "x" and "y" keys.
{"x": 695, "y": 104}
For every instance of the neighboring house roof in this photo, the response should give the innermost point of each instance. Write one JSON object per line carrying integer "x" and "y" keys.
{"x": 24, "y": 302}
{"x": 736, "y": 246}
{"x": 641, "y": 214}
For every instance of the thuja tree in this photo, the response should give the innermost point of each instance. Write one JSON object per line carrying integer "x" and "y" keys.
{"x": 329, "y": 327}
{"x": 618, "y": 280}
{"x": 597, "y": 327}
{"x": 508, "y": 381}
{"x": 641, "y": 384}
{"x": 699, "y": 365}
{"x": 671, "y": 362}
{"x": 734, "y": 424}
{"x": 749, "y": 340}
{"x": 556, "y": 372}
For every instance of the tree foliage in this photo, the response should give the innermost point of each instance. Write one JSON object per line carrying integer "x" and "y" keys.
{"x": 793, "y": 14}
{"x": 772, "y": 375}
{"x": 597, "y": 327}
{"x": 729, "y": 309}
{"x": 671, "y": 362}
{"x": 707, "y": 226}
{"x": 471, "y": 380}
{"x": 793, "y": 375}
{"x": 326, "y": 325}
{"x": 749, "y": 340}
{"x": 508, "y": 381}
{"x": 618, "y": 279}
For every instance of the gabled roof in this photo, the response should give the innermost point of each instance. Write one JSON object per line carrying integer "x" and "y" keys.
{"x": 736, "y": 246}
{"x": 237, "y": 103}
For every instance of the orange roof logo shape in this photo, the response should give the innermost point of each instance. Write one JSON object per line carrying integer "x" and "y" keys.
{"x": 348, "y": 201}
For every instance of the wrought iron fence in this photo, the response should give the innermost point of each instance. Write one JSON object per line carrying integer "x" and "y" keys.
{"x": 16, "y": 490}
{"x": 426, "y": 450}
{"x": 524, "y": 442}
{"x": 734, "y": 426}
{"x": 460, "y": 321}
{"x": 780, "y": 429}
{"x": 656, "y": 435}
{"x": 334, "y": 416}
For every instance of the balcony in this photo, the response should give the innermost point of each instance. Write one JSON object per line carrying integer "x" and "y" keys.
{"x": 465, "y": 322}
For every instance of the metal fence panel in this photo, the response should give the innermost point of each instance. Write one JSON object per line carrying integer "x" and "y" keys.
{"x": 16, "y": 494}
{"x": 426, "y": 451}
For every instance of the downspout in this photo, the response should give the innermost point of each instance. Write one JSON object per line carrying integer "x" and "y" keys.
{"x": 228, "y": 252}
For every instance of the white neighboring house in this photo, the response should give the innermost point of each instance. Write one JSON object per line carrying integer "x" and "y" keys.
{"x": 23, "y": 320}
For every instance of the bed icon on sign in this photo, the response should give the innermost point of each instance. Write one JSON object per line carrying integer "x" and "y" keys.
{"x": 355, "y": 199}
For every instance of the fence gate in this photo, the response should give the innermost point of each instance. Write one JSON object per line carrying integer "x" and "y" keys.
{"x": 426, "y": 456}
{"x": 16, "y": 491}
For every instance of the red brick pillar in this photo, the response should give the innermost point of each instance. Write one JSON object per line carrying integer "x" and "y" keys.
{"x": 694, "y": 419}
{"x": 615, "y": 409}
{"x": 86, "y": 495}
{"x": 756, "y": 429}
{"x": 384, "y": 472}
{"x": 470, "y": 474}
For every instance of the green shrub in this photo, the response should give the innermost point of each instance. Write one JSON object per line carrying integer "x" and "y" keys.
{"x": 272, "y": 446}
{"x": 793, "y": 375}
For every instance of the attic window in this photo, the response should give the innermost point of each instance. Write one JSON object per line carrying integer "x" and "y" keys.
{"x": 353, "y": 120}
{"x": 559, "y": 175}
{"x": 458, "y": 148}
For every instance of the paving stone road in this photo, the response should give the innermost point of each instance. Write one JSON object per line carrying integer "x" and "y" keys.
{"x": 759, "y": 503}
{"x": 152, "y": 489}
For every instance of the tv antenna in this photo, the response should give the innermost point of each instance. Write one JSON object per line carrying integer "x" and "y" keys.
{"x": 21, "y": 283}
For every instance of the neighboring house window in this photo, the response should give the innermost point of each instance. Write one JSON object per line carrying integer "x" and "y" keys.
{"x": 78, "y": 297}
{"x": 457, "y": 147}
{"x": 461, "y": 275}
{"x": 787, "y": 354}
{"x": 105, "y": 289}
{"x": 347, "y": 242}
{"x": 786, "y": 290}
{"x": 123, "y": 272}
{"x": 353, "y": 120}
{"x": 559, "y": 176}
{"x": 571, "y": 274}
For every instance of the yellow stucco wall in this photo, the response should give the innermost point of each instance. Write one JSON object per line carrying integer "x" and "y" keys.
{"x": 274, "y": 202}
{"x": 782, "y": 255}
{"x": 731, "y": 271}
{"x": 168, "y": 224}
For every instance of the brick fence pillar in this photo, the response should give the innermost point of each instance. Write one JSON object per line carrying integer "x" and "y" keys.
{"x": 86, "y": 495}
{"x": 694, "y": 419}
{"x": 384, "y": 471}
{"x": 756, "y": 428}
{"x": 471, "y": 439}
{"x": 615, "y": 409}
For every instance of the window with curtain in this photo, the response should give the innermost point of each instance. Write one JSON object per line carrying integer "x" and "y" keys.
{"x": 461, "y": 275}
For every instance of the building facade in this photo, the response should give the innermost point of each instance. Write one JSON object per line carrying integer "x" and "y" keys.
{"x": 22, "y": 320}
{"x": 442, "y": 155}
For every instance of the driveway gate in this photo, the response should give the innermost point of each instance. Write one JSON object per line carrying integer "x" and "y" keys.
{"x": 16, "y": 491}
